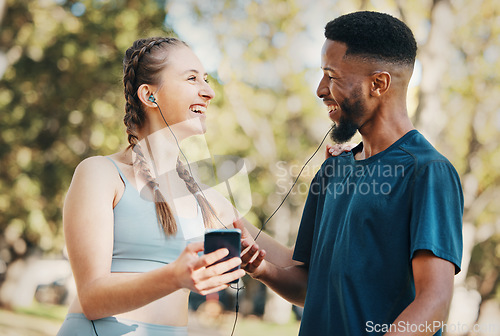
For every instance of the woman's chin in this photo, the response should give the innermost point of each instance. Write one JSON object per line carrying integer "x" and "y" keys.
{"x": 200, "y": 130}
{"x": 194, "y": 126}
{"x": 198, "y": 125}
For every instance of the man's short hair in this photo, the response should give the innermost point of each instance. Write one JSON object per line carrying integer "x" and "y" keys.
{"x": 374, "y": 35}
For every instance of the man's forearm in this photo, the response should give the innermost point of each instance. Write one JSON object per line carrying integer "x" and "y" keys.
{"x": 277, "y": 253}
{"x": 288, "y": 282}
{"x": 433, "y": 293}
{"x": 420, "y": 318}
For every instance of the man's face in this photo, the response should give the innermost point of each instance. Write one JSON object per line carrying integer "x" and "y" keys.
{"x": 341, "y": 89}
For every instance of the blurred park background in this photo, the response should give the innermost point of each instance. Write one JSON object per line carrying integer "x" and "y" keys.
{"x": 61, "y": 100}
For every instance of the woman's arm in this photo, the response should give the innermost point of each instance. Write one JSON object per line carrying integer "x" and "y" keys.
{"x": 88, "y": 229}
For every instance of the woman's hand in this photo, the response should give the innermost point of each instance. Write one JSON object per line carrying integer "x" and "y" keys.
{"x": 200, "y": 274}
{"x": 337, "y": 149}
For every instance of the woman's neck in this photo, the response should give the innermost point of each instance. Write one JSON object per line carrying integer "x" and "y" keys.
{"x": 161, "y": 151}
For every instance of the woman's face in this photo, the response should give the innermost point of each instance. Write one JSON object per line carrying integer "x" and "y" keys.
{"x": 184, "y": 93}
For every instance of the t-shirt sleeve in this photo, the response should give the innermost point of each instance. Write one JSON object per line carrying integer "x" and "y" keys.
{"x": 437, "y": 210}
{"x": 303, "y": 244}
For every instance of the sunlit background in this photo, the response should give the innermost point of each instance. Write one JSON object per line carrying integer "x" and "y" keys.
{"x": 61, "y": 100}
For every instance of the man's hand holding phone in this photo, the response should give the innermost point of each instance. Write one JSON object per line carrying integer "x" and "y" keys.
{"x": 252, "y": 256}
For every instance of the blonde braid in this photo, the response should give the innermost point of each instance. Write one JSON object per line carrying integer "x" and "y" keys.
{"x": 134, "y": 119}
{"x": 193, "y": 187}
{"x": 164, "y": 213}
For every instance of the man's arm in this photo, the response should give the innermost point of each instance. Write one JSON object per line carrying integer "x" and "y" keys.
{"x": 289, "y": 282}
{"x": 277, "y": 253}
{"x": 433, "y": 278}
{"x": 278, "y": 271}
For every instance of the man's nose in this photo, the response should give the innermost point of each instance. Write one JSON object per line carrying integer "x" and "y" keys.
{"x": 322, "y": 90}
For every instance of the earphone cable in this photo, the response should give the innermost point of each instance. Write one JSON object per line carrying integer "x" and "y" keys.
{"x": 201, "y": 190}
{"x": 237, "y": 306}
{"x": 93, "y": 325}
{"x": 293, "y": 185}
{"x": 213, "y": 212}
{"x": 189, "y": 166}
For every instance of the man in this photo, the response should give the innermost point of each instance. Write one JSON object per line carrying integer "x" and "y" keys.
{"x": 380, "y": 238}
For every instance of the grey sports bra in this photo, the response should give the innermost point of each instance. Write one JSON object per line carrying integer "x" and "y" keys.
{"x": 139, "y": 243}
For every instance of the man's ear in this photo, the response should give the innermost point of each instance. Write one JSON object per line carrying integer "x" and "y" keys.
{"x": 381, "y": 81}
{"x": 144, "y": 92}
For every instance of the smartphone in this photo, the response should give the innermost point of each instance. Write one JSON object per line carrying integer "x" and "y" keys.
{"x": 224, "y": 238}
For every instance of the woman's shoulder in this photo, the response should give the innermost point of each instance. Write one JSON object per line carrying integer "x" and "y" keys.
{"x": 95, "y": 164}
{"x": 96, "y": 168}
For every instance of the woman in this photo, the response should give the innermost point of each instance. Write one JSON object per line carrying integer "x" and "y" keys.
{"x": 127, "y": 232}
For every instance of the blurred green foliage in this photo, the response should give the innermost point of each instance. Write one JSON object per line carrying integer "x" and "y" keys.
{"x": 61, "y": 101}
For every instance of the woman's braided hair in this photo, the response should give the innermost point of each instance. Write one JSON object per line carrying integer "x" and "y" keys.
{"x": 142, "y": 64}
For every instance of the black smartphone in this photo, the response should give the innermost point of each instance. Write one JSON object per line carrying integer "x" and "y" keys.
{"x": 224, "y": 238}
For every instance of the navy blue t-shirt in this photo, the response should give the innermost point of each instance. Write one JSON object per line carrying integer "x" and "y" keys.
{"x": 362, "y": 224}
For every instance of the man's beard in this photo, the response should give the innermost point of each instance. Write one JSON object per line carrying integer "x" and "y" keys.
{"x": 343, "y": 131}
{"x": 346, "y": 128}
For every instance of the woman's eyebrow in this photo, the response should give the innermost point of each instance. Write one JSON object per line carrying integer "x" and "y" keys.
{"x": 195, "y": 71}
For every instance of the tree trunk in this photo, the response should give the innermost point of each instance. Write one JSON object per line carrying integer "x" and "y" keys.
{"x": 434, "y": 55}
{"x": 3, "y": 58}
{"x": 3, "y": 8}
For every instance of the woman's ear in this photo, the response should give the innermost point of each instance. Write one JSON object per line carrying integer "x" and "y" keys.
{"x": 381, "y": 81}
{"x": 144, "y": 92}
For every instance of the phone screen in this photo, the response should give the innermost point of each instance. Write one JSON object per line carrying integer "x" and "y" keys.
{"x": 224, "y": 238}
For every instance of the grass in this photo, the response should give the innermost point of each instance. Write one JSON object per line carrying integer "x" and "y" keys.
{"x": 256, "y": 326}
{"x": 31, "y": 322}
{"x": 54, "y": 315}
{"x": 47, "y": 311}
